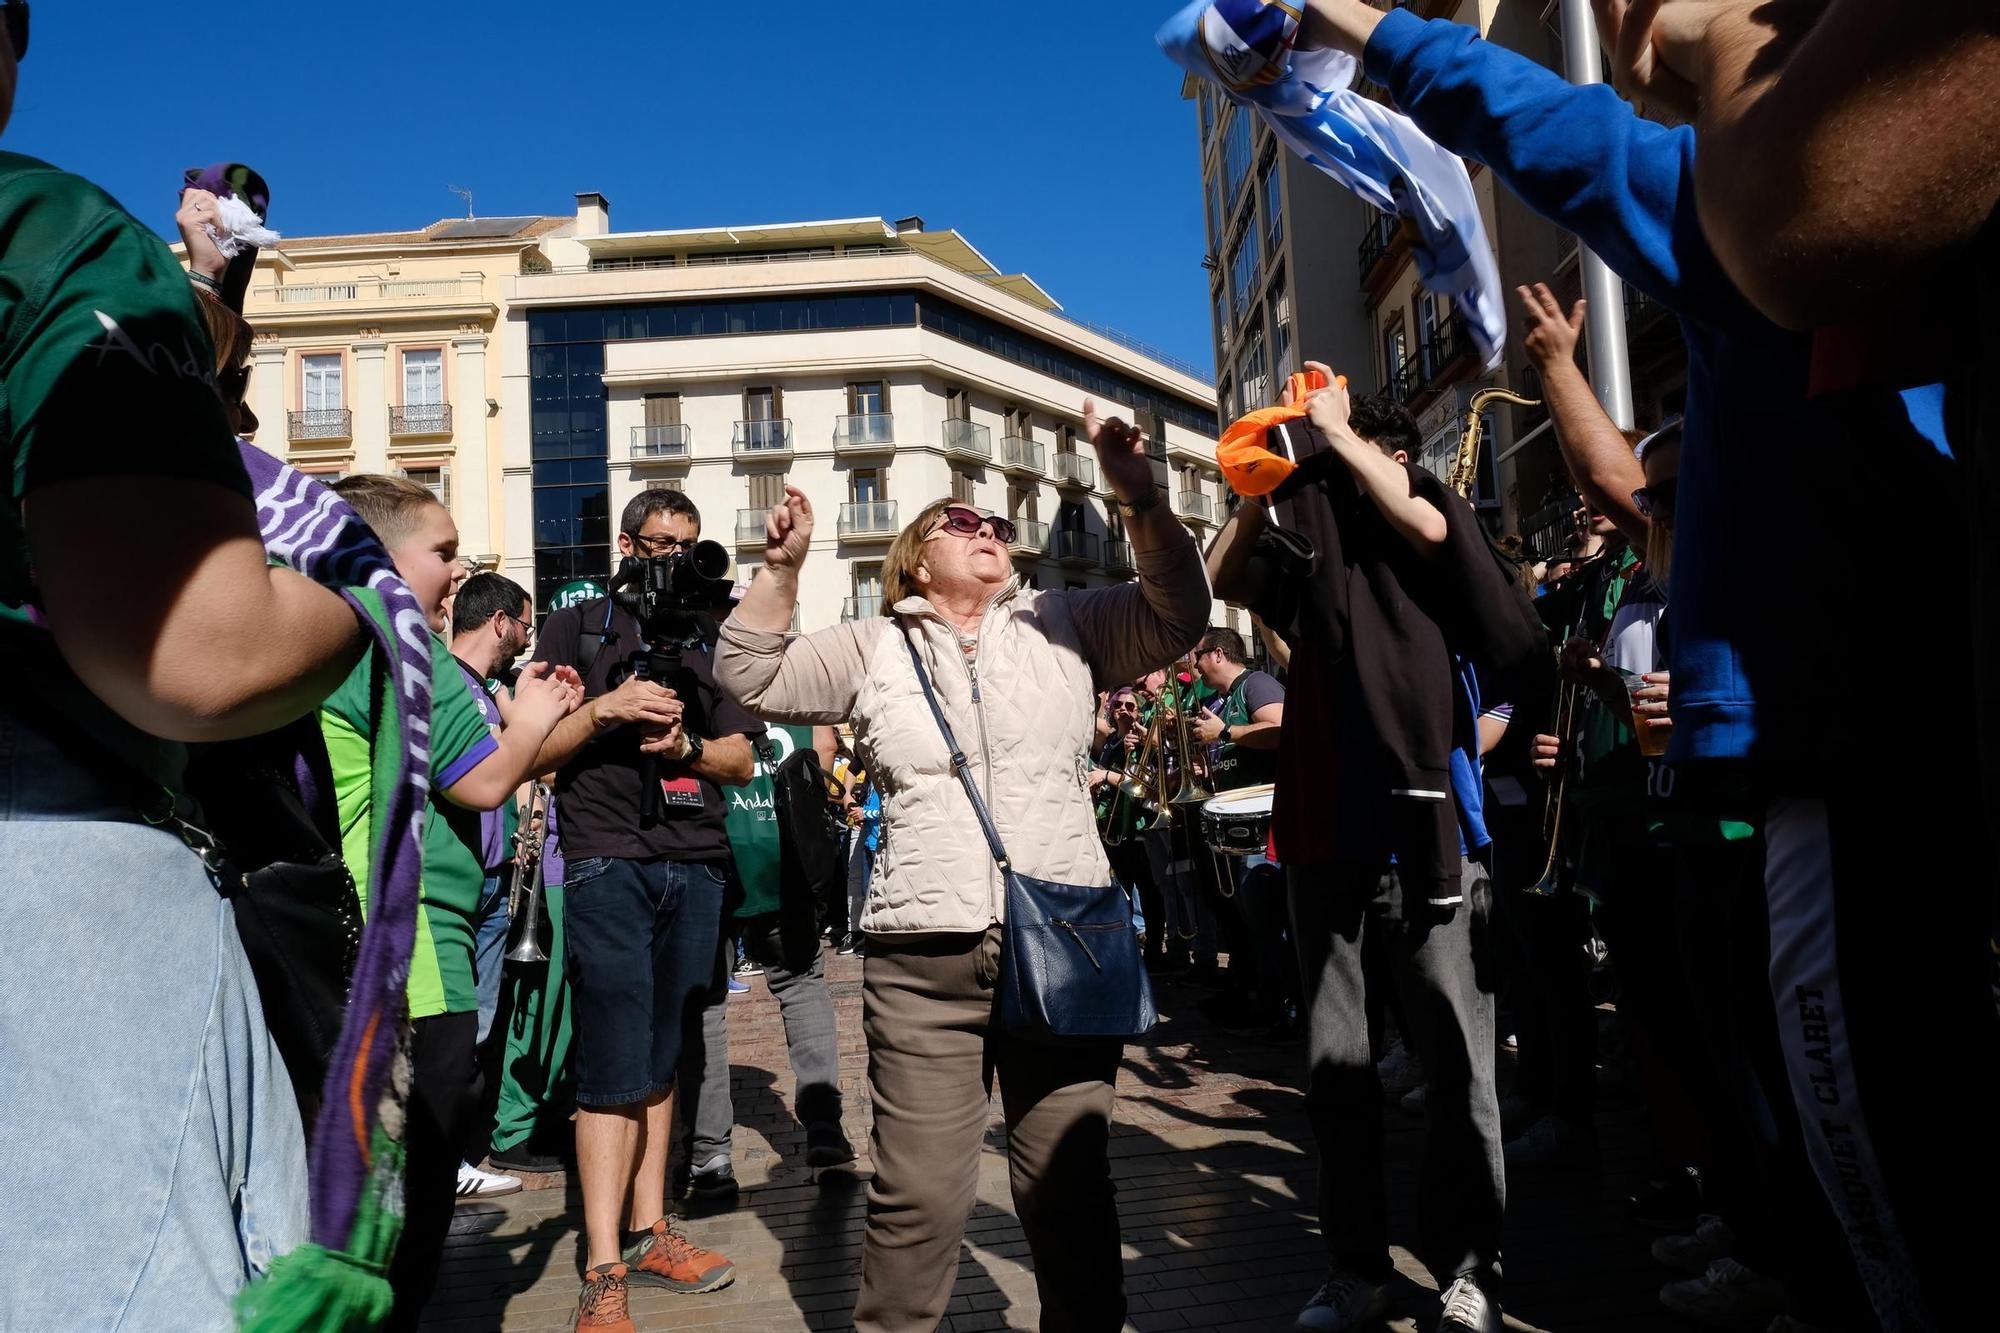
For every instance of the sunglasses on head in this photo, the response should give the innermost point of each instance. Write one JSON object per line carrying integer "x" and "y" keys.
{"x": 962, "y": 522}
{"x": 17, "y": 26}
{"x": 1656, "y": 501}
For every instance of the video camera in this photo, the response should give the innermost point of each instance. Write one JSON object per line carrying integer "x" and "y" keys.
{"x": 667, "y": 594}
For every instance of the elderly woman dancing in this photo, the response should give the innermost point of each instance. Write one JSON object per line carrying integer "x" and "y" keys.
{"x": 1016, "y": 672}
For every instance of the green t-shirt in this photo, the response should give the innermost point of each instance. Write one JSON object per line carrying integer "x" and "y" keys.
{"x": 751, "y": 819}
{"x": 106, "y": 370}
{"x": 441, "y": 980}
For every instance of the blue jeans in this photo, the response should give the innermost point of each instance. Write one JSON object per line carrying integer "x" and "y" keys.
{"x": 641, "y": 942}
{"x": 489, "y": 943}
{"x": 150, "y": 1128}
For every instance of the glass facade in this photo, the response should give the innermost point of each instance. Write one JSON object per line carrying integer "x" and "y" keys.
{"x": 572, "y": 482}
{"x": 1235, "y": 157}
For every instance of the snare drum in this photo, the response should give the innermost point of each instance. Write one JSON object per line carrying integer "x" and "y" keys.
{"x": 1238, "y": 822}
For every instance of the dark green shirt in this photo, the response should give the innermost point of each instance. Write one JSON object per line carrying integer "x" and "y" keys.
{"x": 106, "y": 370}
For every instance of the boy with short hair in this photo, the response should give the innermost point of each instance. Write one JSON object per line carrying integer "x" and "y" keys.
{"x": 470, "y": 768}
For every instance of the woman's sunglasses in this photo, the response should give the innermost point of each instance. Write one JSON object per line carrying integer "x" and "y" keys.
{"x": 1656, "y": 501}
{"x": 962, "y": 522}
{"x": 17, "y": 26}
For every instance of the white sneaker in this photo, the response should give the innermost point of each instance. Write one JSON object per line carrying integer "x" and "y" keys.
{"x": 1467, "y": 1309}
{"x": 1728, "y": 1295}
{"x": 476, "y": 1184}
{"x": 1712, "y": 1239}
{"x": 1343, "y": 1302}
{"x": 1400, "y": 1070}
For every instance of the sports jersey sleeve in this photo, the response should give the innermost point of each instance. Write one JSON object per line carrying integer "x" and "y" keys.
{"x": 108, "y": 367}
{"x": 460, "y": 738}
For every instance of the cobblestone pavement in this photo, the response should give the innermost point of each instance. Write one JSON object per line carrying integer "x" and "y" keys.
{"x": 1215, "y": 1175}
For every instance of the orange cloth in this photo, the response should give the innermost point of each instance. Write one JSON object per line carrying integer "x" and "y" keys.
{"x": 1246, "y": 464}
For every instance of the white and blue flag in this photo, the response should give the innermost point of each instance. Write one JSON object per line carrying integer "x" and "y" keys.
{"x": 1246, "y": 47}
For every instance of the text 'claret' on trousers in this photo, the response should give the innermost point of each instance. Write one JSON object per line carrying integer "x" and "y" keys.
{"x": 928, "y": 1014}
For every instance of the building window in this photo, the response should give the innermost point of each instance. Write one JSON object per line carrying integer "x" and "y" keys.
{"x": 1235, "y": 156}
{"x": 1252, "y": 371}
{"x": 957, "y": 403}
{"x": 1071, "y": 517}
{"x": 766, "y": 489}
{"x": 320, "y": 381}
{"x": 763, "y": 404}
{"x": 867, "y": 398}
{"x": 1225, "y": 395}
{"x": 1242, "y": 273}
{"x": 1207, "y": 109}
{"x": 663, "y": 409}
{"x": 1065, "y": 439}
{"x": 1274, "y": 213}
{"x": 1020, "y": 423}
{"x": 1024, "y": 503}
{"x": 1395, "y": 359}
{"x": 436, "y": 480}
{"x": 423, "y": 377}
{"x": 866, "y": 485}
{"x": 1215, "y": 215}
{"x": 1281, "y": 328}
{"x": 1221, "y": 301}
{"x": 962, "y": 488}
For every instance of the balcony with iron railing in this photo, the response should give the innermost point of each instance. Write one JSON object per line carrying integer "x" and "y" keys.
{"x": 864, "y": 433}
{"x": 1022, "y": 455}
{"x": 1073, "y": 546}
{"x": 1448, "y": 346}
{"x": 1030, "y": 537}
{"x": 868, "y": 518}
{"x": 420, "y": 419}
{"x": 861, "y": 606}
{"x": 1384, "y": 231}
{"x": 1118, "y": 557}
{"x": 966, "y": 439}
{"x": 320, "y": 423}
{"x": 1402, "y": 381}
{"x": 662, "y": 444}
{"x": 770, "y": 437}
{"x": 1075, "y": 470}
{"x": 750, "y": 527}
{"x": 1195, "y": 505}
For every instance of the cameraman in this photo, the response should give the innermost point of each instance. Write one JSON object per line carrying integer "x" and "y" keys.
{"x": 642, "y": 909}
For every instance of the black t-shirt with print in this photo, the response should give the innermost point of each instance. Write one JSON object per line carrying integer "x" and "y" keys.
{"x": 1237, "y": 765}
{"x": 600, "y": 789}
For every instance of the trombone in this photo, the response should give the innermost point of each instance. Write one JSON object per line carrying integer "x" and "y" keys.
{"x": 527, "y": 907}
{"x": 1549, "y": 883}
{"x": 1134, "y": 806}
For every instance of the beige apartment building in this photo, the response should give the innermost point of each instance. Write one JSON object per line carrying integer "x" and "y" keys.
{"x": 875, "y": 365}
{"x": 376, "y": 353}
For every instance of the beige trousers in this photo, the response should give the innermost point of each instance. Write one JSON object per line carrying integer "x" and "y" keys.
{"x": 927, "y": 1011}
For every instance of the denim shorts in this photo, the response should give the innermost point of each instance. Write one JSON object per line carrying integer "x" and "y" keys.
{"x": 640, "y": 949}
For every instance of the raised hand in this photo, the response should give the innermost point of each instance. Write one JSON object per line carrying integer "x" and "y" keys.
{"x": 1550, "y": 338}
{"x": 196, "y": 214}
{"x": 1328, "y": 408}
{"x": 788, "y": 531}
{"x": 1121, "y": 452}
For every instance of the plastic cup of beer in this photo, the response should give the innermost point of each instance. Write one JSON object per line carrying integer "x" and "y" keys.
{"x": 1652, "y": 738}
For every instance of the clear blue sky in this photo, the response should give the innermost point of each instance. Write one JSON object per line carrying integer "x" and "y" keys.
{"x": 1050, "y": 132}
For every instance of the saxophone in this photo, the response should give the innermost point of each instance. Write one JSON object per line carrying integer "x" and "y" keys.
{"x": 1465, "y": 471}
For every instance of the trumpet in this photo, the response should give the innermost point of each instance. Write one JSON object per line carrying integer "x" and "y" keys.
{"x": 527, "y": 906}
{"x": 1134, "y": 806}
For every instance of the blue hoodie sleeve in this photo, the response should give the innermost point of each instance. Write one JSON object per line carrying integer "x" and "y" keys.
{"x": 1580, "y": 157}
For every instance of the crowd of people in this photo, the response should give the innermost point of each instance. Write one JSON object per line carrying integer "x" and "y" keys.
{"x": 367, "y": 894}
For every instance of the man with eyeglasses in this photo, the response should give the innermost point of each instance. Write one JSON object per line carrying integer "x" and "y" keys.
{"x": 642, "y": 913}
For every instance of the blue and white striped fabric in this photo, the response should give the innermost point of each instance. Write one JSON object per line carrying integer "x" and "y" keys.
{"x": 1307, "y": 98}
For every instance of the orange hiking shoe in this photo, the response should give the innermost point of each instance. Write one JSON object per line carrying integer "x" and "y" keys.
{"x": 601, "y": 1308}
{"x": 663, "y": 1257}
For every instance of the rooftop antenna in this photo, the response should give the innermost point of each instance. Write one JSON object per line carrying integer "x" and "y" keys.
{"x": 467, "y": 195}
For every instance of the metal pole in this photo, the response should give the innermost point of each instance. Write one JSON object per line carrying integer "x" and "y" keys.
{"x": 1604, "y": 320}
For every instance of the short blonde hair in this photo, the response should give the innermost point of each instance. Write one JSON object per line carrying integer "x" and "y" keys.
{"x": 390, "y": 505}
{"x": 899, "y": 567}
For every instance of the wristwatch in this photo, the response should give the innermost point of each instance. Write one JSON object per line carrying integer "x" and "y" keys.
{"x": 1224, "y": 737}
{"x": 691, "y": 747}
